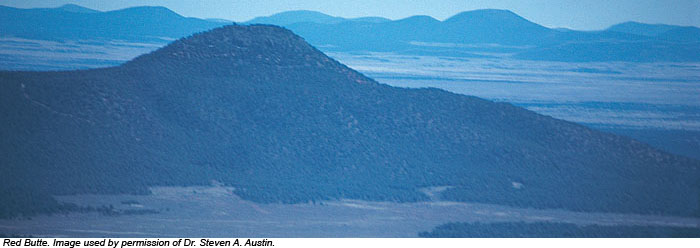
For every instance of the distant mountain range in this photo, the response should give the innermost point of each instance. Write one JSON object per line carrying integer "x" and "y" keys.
{"x": 473, "y": 32}
{"x": 72, "y": 22}
{"x": 477, "y": 33}
{"x": 668, "y": 32}
{"x": 306, "y": 16}
{"x": 259, "y": 109}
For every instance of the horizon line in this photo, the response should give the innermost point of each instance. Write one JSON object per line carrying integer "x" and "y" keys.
{"x": 347, "y": 18}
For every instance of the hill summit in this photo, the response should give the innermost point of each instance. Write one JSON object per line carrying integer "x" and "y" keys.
{"x": 257, "y": 108}
{"x": 262, "y": 50}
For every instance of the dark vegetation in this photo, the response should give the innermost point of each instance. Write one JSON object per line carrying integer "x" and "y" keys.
{"x": 27, "y": 200}
{"x": 15, "y": 236}
{"x": 259, "y": 109}
{"x": 555, "y": 230}
{"x": 112, "y": 211}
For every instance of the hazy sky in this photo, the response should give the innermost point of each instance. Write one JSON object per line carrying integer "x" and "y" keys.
{"x": 576, "y": 14}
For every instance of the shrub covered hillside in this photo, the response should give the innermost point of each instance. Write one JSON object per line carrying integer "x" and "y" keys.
{"x": 257, "y": 108}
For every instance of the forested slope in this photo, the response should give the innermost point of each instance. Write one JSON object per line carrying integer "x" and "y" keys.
{"x": 257, "y": 108}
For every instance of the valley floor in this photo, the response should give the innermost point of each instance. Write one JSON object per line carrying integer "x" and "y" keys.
{"x": 218, "y": 212}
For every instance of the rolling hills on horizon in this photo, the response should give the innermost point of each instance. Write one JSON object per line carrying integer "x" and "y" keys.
{"x": 73, "y": 22}
{"x": 479, "y": 33}
{"x": 306, "y": 16}
{"x": 259, "y": 109}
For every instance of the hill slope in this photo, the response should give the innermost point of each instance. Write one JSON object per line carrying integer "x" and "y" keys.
{"x": 257, "y": 108}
